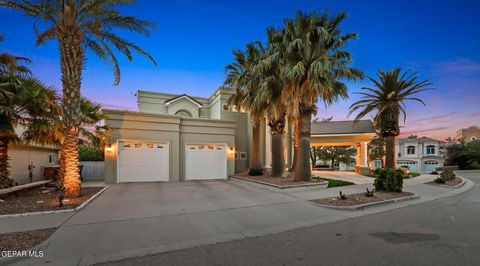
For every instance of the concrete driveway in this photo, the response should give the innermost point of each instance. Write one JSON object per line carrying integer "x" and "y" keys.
{"x": 130, "y": 220}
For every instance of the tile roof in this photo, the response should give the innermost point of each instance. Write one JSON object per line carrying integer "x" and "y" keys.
{"x": 342, "y": 127}
{"x": 420, "y": 140}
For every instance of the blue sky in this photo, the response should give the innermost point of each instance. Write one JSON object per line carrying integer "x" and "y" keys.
{"x": 194, "y": 40}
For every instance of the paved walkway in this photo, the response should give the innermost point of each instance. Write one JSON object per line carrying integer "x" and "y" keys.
{"x": 345, "y": 176}
{"x": 131, "y": 220}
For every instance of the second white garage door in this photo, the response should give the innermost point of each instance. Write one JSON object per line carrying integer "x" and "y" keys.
{"x": 142, "y": 161}
{"x": 206, "y": 161}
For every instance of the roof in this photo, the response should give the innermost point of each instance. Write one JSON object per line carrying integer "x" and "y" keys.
{"x": 167, "y": 102}
{"x": 419, "y": 140}
{"x": 342, "y": 127}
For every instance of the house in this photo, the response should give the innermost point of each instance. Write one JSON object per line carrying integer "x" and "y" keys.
{"x": 27, "y": 161}
{"x": 468, "y": 134}
{"x": 421, "y": 155}
{"x": 176, "y": 137}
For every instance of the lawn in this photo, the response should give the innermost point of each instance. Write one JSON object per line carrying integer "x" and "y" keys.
{"x": 333, "y": 182}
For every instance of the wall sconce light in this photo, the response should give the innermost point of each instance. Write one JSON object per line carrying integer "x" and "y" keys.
{"x": 109, "y": 147}
{"x": 231, "y": 149}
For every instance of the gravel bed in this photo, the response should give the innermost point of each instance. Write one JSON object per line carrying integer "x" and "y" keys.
{"x": 453, "y": 182}
{"x": 21, "y": 241}
{"x": 361, "y": 198}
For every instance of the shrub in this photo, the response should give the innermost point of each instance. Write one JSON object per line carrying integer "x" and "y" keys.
{"x": 440, "y": 180}
{"x": 89, "y": 153}
{"x": 389, "y": 180}
{"x": 255, "y": 171}
{"x": 336, "y": 183}
{"x": 343, "y": 196}
{"x": 447, "y": 175}
{"x": 413, "y": 174}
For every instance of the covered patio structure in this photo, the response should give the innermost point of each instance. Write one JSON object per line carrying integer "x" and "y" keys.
{"x": 346, "y": 133}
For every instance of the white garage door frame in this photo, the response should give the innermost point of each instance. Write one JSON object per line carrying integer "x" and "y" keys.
{"x": 143, "y": 141}
{"x": 209, "y": 143}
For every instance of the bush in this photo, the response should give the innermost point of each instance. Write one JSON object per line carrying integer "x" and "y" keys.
{"x": 342, "y": 196}
{"x": 370, "y": 193}
{"x": 440, "y": 180}
{"x": 255, "y": 171}
{"x": 389, "y": 180}
{"x": 89, "y": 153}
{"x": 447, "y": 175}
{"x": 413, "y": 174}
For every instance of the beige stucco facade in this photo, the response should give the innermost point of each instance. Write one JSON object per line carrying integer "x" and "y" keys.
{"x": 36, "y": 156}
{"x": 468, "y": 134}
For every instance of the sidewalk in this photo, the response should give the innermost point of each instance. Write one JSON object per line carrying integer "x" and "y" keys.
{"x": 199, "y": 213}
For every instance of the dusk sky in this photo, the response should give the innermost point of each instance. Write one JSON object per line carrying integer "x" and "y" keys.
{"x": 194, "y": 39}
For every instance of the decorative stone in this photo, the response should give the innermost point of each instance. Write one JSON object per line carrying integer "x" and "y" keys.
{"x": 40, "y": 201}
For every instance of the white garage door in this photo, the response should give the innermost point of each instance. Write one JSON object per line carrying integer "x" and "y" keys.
{"x": 142, "y": 161}
{"x": 410, "y": 165}
{"x": 206, "y": 161}
{"x": 430, "y": 166}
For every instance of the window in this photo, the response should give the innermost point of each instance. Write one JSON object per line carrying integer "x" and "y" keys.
{"x": 183, "y": 113}
{"x": 430, "y": 149}
{"x": 52, "y": 158}
{"x": 411, "y": 150}
{"x": 399, "y": 155}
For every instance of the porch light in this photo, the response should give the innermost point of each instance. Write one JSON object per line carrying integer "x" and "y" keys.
{"x": 109, "y": 147}
{"x": 231, "y": 149}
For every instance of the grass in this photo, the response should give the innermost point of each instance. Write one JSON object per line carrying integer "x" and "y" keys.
{"x": 334, "y": 182}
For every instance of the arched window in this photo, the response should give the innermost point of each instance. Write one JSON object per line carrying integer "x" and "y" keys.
{"x": 411, "y": 150}
{"x": 430, "y": 150}
{"x": 183, "y": 113}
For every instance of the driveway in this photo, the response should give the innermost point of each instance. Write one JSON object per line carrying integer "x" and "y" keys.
{"x": 131, "y": 220}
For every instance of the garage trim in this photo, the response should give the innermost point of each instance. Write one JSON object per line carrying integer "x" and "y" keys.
{"x": 142, "y": 140}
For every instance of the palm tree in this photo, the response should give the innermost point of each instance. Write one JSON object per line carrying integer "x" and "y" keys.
{"x": 315, "y": 66}
{"x": 392, "y": 89}
{"x": 80, "y": 25}
{"x": 92, "y": 131}
{"x": 24, "y": 99}
{"x": 242, "y": 78}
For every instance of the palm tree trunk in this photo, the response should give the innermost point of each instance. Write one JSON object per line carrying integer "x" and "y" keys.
{"x": 256, "y": 162}
{"x": 71, "y": 61}
{"x": 61, "y": 168}
{"x": 295, "y": 147}
{"x": 390, "y": 156}
{"x": 5, "y": 180}
{"x": 278, "y": 156}
{"x": 303, "y": 171}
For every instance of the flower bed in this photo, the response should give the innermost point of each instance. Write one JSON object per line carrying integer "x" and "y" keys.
{"x": 361, "y": 198}
{"x": 41, "y": 199}
{"x": 456, "y": 181}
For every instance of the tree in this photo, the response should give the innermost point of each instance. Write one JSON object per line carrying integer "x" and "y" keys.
{"x": 23, "y": 100}
{"x": 242, "y": 78}
{"x": 315, "y": 66}
{"x": 336, "y": 154}
{"x": 376, "y": 149}
{"x": 92, "y": 132}
{"x": 463, "y": 155}
{"x": 392, "y": 89}
{"x": 78, "y": 25}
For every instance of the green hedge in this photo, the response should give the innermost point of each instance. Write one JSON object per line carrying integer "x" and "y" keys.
{"x": 389, "y": 180}
{"x": 89, "y": 153}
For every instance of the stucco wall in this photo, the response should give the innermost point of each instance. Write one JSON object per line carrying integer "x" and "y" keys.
{"x": 183, "y": 104}
{"x": 177, "y": 131}
{"x": 22, "y": 156}
{"x": 242, "y": 137}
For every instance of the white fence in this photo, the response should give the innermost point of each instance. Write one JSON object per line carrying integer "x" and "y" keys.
{"x": 93, "y": 170}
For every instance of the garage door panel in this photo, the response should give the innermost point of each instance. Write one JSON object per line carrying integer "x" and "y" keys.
{"x": 142, "y": 162}
{"x": 207, "y": 161}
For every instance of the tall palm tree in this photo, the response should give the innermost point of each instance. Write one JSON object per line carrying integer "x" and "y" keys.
{"x": 392, "y": 89}
{"x": 242, "y": 78}
{"x": 92, "y": 131}
{"x": 80, "y": 25}
{"x": 315, "y": 66}
{"x": 23, "y": 100}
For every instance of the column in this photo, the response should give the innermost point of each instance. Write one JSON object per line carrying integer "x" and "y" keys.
{"x": 268, "y": 146}
{"x": 364, "y": 154}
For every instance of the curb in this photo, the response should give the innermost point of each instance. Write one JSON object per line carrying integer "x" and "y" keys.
{"x": 368, "y": 205}
{"x": 55, "y": 212}
{"x": 313, "y": 186}
{"x": 456, "y": 186}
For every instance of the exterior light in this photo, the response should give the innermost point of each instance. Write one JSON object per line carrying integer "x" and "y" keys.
{"x": 109, "y": 147}
{"x": 231, "y": 149}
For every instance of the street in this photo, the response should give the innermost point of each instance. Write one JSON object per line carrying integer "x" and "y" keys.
{"x": 441, "y": 232}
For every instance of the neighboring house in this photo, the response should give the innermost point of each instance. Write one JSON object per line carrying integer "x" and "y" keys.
{"x": 28, "y": 161}
{"x": 176, "y": 137}
{"x": 468, "y": 134}
{"x": 421, "y": 155}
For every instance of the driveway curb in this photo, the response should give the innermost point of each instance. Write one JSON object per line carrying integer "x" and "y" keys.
{"x": 272, "y": 187}
{"x": 54, "y": 212}
{"x": 368, "y": 205}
